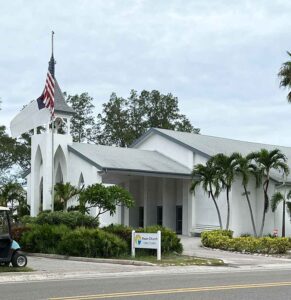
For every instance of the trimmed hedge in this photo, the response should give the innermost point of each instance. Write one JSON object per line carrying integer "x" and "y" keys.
{"x": 92, "y": 243}
{"x": 72, "y": 219}
{"x": 82, "y": 241}
{"x": 222, "y": 239}
{"x": 170, "y": 242}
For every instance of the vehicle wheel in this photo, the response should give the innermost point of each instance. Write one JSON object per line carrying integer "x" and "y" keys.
{"x": 19, "y": 260}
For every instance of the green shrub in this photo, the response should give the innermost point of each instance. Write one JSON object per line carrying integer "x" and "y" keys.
{"x": 43, "y": 238}
{"x": 72, "y": 219}
{"x": 123, "y": 232}
{"x": 92, "y": 243}
{"x": 60, "y": 239}
{"x": 170, "y": 242}
{"x": 221, "y": 240}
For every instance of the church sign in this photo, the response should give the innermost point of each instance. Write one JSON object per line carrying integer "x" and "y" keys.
{"x": 143, "y": 240}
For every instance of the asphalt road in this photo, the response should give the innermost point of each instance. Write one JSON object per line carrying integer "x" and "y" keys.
{"x": 240, "y": 285}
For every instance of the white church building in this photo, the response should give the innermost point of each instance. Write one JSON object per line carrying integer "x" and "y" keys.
{"x": 156, "y": 170}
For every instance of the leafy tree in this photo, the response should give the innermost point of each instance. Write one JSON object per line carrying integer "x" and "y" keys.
{"x": 276, "y": 199}
{"x": 83, "y": 119}
{"x": 7, "y": 150}
{"x": 63, "y": 193}
{"x": 225, "y": 166}
{"x": 206, "y": 175}
{"x": 124, "y": 120}
{"x": 285, "y": 76}
{"x": 266, "y": 161}
{"x": 11, "y": 193}
{"x": 105, "y": 199}
{"x": 247, "y": 169}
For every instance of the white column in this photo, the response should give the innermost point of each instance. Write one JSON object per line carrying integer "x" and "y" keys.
{"x": 145, "y": 200}
{"x": 189, "y": 219}
{"x": 125, "y": 209}
{"x": 68, "y": 125}
{"x": 169, "y": 194}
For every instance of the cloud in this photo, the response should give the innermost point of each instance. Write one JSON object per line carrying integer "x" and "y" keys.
{"x": 219, "y": 57}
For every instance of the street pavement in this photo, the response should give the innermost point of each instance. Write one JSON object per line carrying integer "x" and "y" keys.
{"x": 244, "y": 277}
{"x": 271, "y": 284}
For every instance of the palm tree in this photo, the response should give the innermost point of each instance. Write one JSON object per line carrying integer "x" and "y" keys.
{"x": 266, "y": 161}
{"x": 276, "y": 199}
{"x": 285, "y": 76}
{"x": 206, "y": 175}
{"x": 225, "y": 166}
{"x": 247, "y": 169}
{"x": 64, "y": 192}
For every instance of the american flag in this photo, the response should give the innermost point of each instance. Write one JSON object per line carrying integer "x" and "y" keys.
{"x": 47, "y": 98}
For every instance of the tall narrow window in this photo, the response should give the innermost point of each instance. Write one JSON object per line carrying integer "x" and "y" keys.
{"x": 141, "y": 216}
{"x": 160, "y": 215}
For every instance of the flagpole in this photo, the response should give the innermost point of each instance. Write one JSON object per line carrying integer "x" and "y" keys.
{"x": 53, "y": 187}
{"x": 53, "y": 129}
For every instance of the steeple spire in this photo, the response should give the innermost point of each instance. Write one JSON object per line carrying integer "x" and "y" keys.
{"x": 52, "y": 61}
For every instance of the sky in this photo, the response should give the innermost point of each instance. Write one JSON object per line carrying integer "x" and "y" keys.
{"x": 220, "y": 58}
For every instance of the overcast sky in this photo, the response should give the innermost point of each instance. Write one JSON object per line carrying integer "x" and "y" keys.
{"x": 220, "y": 58}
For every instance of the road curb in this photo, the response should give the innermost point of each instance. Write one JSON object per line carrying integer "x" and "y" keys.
{"x": 94, "y": 260}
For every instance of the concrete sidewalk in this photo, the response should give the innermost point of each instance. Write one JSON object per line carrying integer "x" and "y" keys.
{"x": 192, "y": 246}
{"x": 58, "y": 269}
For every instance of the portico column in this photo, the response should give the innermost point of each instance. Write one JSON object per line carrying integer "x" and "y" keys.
{"x": 125, "y": 209}
{"x": 189, "y": 218}
{"x": 145, "y": 200}
{"x": 169, "y": 194}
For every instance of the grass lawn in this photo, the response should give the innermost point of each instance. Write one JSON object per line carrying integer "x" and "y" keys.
{"x": 11, "y": 269}
{"x": 180, "y": 260}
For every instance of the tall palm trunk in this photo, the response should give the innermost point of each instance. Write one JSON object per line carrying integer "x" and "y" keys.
{"x": 251, "y": 211}
{"x": 217, "y": 208}
{"x": 283, "y": 218}
{"x": 228, "y": 208}
{"x": 266, "y": 199}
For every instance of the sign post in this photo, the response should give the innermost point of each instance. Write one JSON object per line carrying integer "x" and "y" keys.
{"x": 144, "y": 240}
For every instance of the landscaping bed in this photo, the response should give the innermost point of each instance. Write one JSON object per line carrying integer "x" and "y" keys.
{"x": 78, "y": 235}
{"x": 179, "y": 260}
{"x": 223, "y": 239}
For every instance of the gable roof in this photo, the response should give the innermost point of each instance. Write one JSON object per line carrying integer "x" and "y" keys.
{"x": 109, "y": 158}
{"x": 210, "y": 145}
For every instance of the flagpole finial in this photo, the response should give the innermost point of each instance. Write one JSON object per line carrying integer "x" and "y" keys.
{"x": 52, "y": 61}
{"x": 53, "y": 42}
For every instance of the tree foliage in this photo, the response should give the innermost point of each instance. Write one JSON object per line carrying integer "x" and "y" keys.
{"x": 104, "y": 198}
{"x": 207, "y": 177}
{"x": 83, "y": 119}
{"x": 63, "y": 193}
{"x": 266, "y": 161}
{"x": 124, "y": 120}
{"x": 285, "y": 76}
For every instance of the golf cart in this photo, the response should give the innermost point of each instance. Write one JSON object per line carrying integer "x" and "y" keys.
{"x": 9, "y": 249}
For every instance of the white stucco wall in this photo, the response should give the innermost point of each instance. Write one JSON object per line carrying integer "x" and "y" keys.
{"x": 173, "y": 150}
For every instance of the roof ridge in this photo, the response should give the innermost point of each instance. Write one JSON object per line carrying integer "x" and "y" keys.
{"x": 219, "y": 137}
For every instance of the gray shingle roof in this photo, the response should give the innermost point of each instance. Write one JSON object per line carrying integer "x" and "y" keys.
{"x": 128, "y": 159}
{"x": 60, "y": 104}
{"x": 210, "y": 145}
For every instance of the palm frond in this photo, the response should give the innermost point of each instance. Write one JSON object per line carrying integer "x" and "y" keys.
{"x": 275, "y": 200}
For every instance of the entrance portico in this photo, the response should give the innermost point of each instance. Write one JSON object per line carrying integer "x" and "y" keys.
{"x": 159, "y": 199}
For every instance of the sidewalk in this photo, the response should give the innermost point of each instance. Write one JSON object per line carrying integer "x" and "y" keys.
{"x": 58, "y": 269}
{"x": 193, "y": 246}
